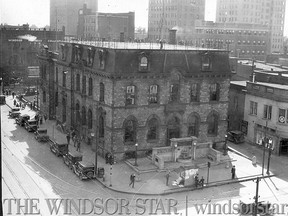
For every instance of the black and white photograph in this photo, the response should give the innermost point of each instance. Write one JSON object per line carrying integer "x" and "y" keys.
{"x": 144, "y": 107}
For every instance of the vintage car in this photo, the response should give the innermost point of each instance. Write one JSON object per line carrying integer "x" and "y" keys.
{"x": 14, "y": 112}
{"x": 31, "y": 125}
{"x": 236, "y": 136}
{"x": 41, "y": 135}
{"x": 71, "y": 158}
{"x": 85, "y": 170}
{"x": 58, "y": 148}
{"x": 20, "y": 120}
{"x": 249, "y": 208}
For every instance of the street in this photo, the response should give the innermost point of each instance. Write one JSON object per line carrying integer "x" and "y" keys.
{"x": 31, "y": 171}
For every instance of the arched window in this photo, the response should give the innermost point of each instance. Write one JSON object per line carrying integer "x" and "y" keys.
{"x": 78, "y": 82}
{"x": 77, "y": 113}
{"x": 102, "y": 92}
{"x": 90, "y": 119}
{"x": 152, "y": 129}
{"x": 206, "y": 63}
{"x": 212, "y": 121}
{"x": 90, "y": 87}
{"x": 83, "y": 115}
{"x": 84, "y": 84}
{"x": 130, "y": 131}
{"x": 101, "y": 127}
{"x": 193, "y": 125}
{"x": 143, "y": 63}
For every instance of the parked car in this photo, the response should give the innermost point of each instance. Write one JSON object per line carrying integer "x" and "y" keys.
{"x": 31, "y": 125}
{"x": 236, "y": 136}
{"x": 20, "y": 120}
{"x": 41, "y": 135}
{"x": 58, "y": 149}
{"x": 14, "y": 112}
{"x": 71, "y": 158}
{"x": 85, "y": 170}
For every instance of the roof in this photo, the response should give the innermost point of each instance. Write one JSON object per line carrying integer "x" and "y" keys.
{"x": 85, "y": 163}
{"x": 263, "y": 66}
{"x": 278, "y": 86}
{"x": 75, "y": 154}
{"x": 240, "y": 83}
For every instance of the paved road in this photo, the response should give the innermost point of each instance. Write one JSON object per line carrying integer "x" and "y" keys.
{"x": 30, "y": 170}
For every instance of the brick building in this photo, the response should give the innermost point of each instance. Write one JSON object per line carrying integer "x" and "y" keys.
{"x": 111, "y": 26}
{"x": 120, "y": 94}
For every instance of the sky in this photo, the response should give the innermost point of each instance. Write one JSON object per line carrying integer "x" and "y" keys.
{"x": 36, "y": 12}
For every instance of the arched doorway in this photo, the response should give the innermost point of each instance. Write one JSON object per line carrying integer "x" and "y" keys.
{"x": 173, "y": 129}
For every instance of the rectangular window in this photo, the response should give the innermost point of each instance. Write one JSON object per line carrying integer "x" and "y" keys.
{"x": 214, "y": 92}
{"x": 253, "y": 108}
{"x": 130, "y": 95}
{"x": 64, "y": 78}
{"x": 153, "y": 94}
{"x": 84, "y": 84}
{"x": 194, "y": 92}
{"x": 267, "y": 112}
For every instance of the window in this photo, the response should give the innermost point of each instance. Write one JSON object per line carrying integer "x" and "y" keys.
{"x": 78, "y": 82}
{"x": 102, "y": 92}
{"x": 90, "y": 86}
{"x": 64, "y": 110}
{"x": 267, "y": 112}
{"x": 152, "y": 129}
{"x": 64, "y": 78}
{"x": 206, "y": 63}
{"x": 101, "y": 126}
{"x": 130, "y": 131}
{"x": 90, "y": 119}
{"x": 214, "y": 92}
{"x": 143, "y": 63}
{"x": 253, "y": 108}
{"x": 63, "y": 54}
{"x": 90, "y": 57}
{"x": 283, "y": 116}
{"x": 56, "y": 98}
{"x": 174, "y": 92}
{"x": 83, "y": 115}
{"x": 77, "y": 54}
{"x": 194, "y": 93}
{"x": 84, "y": 84}
{"x": 130, "y": 95}
{"x": 212, "y": 121}
{"x": 77, "y": 113}
{"x": 56, "y": 75}
{"x": 153, "y": 94}
{"x": 193, "y": 126}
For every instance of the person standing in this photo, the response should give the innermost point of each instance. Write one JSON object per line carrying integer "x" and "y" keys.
{"x": 78, "y": 145}
{"x": 132, "y": 180}
{"x": 68, "y": 138}
{"x": 167, "y": 178}
{"x": 233, "y": 172}
{"x": 196, "y": 180}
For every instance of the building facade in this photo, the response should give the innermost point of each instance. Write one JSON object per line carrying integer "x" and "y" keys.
{"x": 176, "y": 14}
{"x": 121, "y": 96}
{"x": 266, "y": 111}
{"x": 111, "y": 26}
{"x": 242, "y": 40}
{"x": 64, "y": 13}
{"x": 266, "y": 12}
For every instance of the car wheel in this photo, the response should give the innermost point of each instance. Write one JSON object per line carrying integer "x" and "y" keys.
{"x": 90, "y": 175}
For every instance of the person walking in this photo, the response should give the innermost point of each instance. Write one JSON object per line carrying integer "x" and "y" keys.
{"x": 68, "y": 138}
{"x": 167, "y": 178}
{"x": 78, "y": 145}
{"x": 13, "y": 94}
{"x": 196, "y": 180}
{"x": 132, "y": 180}
{"x": 233, "y": 172}
{"x": 201, "y": 182}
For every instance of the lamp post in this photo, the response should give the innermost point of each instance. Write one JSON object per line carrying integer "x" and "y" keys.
{"x": 175, "y": 147}
{"x": 264, "y": 142}
{"x": 95, "y": 165}
{"x": 225, "y": 146}
{"x": 136, "y": 146}
{"x": 270, "y": 147}
{"x": 194, "y": 150}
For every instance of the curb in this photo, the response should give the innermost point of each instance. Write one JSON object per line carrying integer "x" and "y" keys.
{"x": 189, "y": 188}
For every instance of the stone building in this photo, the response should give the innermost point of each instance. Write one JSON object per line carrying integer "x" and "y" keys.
{"x": 120, "y": 94}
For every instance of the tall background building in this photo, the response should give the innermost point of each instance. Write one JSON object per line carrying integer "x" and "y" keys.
{"x": 65, "y": 13}
{"x": 266, "y": 12}
{"x": 174, "y": 14}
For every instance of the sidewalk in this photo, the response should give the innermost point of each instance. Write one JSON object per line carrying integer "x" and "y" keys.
{"x": 117, "y": 177}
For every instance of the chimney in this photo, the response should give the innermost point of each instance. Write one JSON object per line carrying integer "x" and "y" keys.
{"x": 172, "y": 36}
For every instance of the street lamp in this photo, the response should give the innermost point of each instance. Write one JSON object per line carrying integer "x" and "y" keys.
{"x": 225, "y": 146}
{"x": 270, "y": 148}
{"x": 194, "y": 150}
{"x": 136, "y": 146}
{"x": 96, "y": 154}
{"x": 175, "y": 147}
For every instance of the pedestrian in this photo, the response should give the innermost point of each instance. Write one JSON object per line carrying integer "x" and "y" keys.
{"x": 9, "y": 91}
{"x": 14, "y": 102}
{"x": 132, "y": 180}
{"x": 78, "y": 145}
{"x": 167, "y": 178}
{"x": 68, "y": 138}
{"x": 196, "y": 180}
{"x": 233, "y": 171}
{"x": 13, "y": 94}
{"x": 201, "y": 182}
{"x": 73, "y": 134}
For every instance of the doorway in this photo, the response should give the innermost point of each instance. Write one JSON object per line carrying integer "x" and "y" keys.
{"x": 284, "y": 147}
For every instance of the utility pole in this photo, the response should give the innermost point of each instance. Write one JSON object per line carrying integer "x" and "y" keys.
{"x": 256, "y": 197}
{"x": 264, "y": 141}
{"x": 209, "y": 164}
